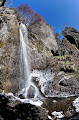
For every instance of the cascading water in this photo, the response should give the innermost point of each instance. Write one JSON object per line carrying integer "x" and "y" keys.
{"x": 42, "y": 78}
{"x": 25, "y": 71}
{"x": 24, "y": 63}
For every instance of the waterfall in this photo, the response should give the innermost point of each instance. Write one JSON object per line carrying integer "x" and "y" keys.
{"x": 36, "y": 82}
{"x": 30, "y": 90}
{"x": 24, "y": 58}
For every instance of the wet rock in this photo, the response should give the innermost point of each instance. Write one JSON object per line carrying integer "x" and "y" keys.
{"x": 31, "y": 92}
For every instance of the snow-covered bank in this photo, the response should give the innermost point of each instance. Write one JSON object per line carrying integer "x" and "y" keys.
{"x": 31, "y": 101}
{"x": 76, "y": 104}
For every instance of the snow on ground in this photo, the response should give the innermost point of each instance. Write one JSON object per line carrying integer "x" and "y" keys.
{"x": 31, "y": 101}
{"x": 66, "y": 77}
{"x": 58, "y": 114}
{"x": 36, "y": 102}
{"x": 54, "y": 101}
{"x": 50, "y": 117}
{"x": 76, "y": 104}
{"x": 60, "y": 73}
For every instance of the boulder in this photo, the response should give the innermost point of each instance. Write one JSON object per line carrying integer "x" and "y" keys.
{"x": 31, "y": 92}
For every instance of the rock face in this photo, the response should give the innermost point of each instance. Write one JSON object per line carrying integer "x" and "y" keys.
{"x": 66, "y": 64}
{"x": 69, "y": 47}
{"x": 2, "y": 2}
{"x": 9, "y": 44}
{"x": 72, "y": 35}
{"x": 41, "y": 42}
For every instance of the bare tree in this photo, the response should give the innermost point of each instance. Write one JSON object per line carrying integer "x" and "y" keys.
{"x": 8, "y": 3}
{"x": 27, "y": 14}
{"x": 57, "y": 35}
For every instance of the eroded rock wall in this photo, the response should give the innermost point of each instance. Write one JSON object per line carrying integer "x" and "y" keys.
{"x": 9, "y": 44}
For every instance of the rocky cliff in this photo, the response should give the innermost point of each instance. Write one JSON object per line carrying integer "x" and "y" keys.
{"x": 41, "y": 42}
{"x": 66, "y": 64}
{"x": 57, "y": 63}
{"x": 61, "y": 58}
{"x": 9, "y": 44}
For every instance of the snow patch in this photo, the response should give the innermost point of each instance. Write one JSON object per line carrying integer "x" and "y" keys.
{"x": 76, "y": 104}
{"x": 35, "y": 102}
{"x": 58, "y": 114}
{"x": 50, "y": 117}
{"x": 66, "y": 77}
{"x": 44, "y": 78}
{"x": 60, "y": 73}
{"x": 54, "y": 101}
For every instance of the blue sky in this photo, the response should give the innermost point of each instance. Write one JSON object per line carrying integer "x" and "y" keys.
{"x": 55, "y": 12}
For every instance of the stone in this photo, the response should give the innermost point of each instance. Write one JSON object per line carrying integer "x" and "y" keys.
{"x": 31, "y": 92}
{"x": 2, "y": 2}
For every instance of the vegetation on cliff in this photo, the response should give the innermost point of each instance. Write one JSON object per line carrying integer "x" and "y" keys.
{"x": 27, "y": 14}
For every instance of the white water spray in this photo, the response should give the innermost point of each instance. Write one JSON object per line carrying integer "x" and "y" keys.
{"x": 24, "y": 63}
{"x": 25, "y": 71}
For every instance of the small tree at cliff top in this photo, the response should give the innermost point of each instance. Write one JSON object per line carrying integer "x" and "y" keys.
{"x": 27, "y": 14}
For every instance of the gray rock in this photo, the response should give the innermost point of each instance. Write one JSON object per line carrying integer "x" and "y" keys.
{"x": 41, "y": 42}
{"x": 2, "y": 2}
{"x": 9, "y": 44}
{"x": 72, "y": 35}
{"x": 31, "y": 92}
